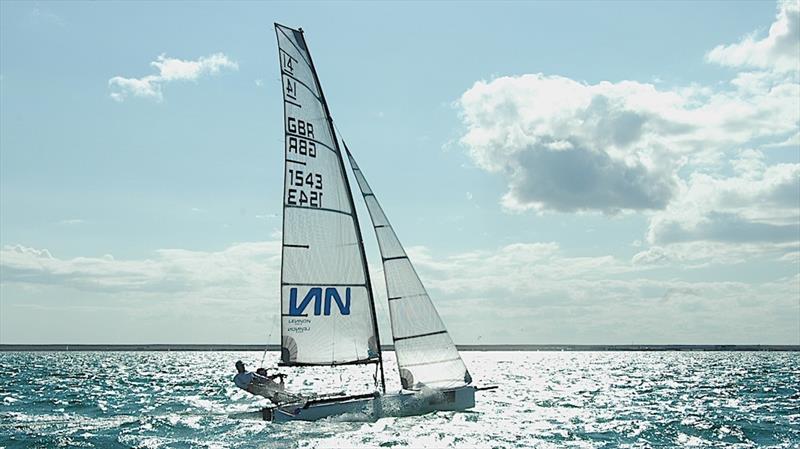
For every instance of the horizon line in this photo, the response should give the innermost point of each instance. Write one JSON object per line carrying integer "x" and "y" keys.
{"x": 180, "y": 347}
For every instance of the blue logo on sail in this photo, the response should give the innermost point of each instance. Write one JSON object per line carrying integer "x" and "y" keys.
{"x": 320, "y": 307}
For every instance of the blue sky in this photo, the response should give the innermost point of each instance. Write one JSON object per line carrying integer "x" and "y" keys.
{"x": 570, "y": 172}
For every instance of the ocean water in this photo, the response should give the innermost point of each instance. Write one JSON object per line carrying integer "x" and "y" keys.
{"x": 545, "y": 399}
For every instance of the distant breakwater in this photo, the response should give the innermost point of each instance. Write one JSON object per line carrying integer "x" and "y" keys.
{"x": 497, "y": 347}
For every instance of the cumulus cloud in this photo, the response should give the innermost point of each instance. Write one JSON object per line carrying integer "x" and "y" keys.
{"x": 777, "y": 51}
{"x": 169, "y": 69}
{"x": 688, "y": 255}
{"x": 690, "y": 158}
{"x": 651, "y": 256}
{"x": 566, "y": 146}
{"x": 759, "y": 203}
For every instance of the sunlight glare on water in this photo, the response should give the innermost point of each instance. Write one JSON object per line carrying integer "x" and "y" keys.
{"x": 545, "y": 399}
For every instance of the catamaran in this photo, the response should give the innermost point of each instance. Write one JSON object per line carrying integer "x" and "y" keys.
{"x": 327, "y": 304}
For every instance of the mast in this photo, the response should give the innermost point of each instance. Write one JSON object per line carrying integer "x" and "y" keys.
{"x": 353, "y": 208}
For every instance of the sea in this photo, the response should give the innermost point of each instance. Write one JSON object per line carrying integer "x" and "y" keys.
{"x": 543, "y": 400}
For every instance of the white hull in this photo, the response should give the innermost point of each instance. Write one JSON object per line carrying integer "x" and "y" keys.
{"x": 375, "y": 406}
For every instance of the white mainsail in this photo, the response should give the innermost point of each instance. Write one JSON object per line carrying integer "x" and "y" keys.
{"x": 327, "y": 307}
{"x": 426, "y": 356}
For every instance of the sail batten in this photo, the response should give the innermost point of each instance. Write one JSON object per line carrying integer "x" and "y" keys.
{"x": 327, "y": 312}
{"x": 426, "y": 355}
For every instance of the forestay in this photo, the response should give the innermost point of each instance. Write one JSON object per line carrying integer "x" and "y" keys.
{"x": 326, "y": 302}
{"x": 426, "y": 355}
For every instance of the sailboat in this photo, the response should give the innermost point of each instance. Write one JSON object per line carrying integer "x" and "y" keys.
{"x": 327, "y": 303}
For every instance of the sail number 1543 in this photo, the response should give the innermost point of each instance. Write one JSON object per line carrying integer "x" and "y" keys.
{"x": 304, "y": 180}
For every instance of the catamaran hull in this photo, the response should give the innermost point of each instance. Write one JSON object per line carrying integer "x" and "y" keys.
{"x": 375, "y": 406}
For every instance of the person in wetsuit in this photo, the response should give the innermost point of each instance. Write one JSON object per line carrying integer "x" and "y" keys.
{"x": 247, "y": 380}
{"x": 243, "y": 378}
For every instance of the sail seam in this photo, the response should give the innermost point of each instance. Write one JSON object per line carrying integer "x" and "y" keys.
{"x": 312, "y": 140}
{"x": 354, "y": 362}
{"x": 302, "y": 84}
{"x": 432, "y": 363}
{"x": 295, "y": 47}
{"x": 318, "y": 208}
{"x": 453, "y": 380}
{"x": 305, "y": 284}
{"x": 293, "y": 103}
{"x": 296, "y": 162}
{"x": 394, "y": 298}
{"x": 420, "y": 335}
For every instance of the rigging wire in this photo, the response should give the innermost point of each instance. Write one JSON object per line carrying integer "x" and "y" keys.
{"x": 266, "y": 346}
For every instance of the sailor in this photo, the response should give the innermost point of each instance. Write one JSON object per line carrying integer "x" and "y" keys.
{"x": 251, "y": 381}
{"x": 243, "y": 378}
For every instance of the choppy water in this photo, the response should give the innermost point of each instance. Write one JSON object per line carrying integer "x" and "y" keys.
{"x": 546, "y": 399}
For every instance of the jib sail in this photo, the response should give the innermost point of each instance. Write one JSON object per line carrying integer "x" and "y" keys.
{"x": 426, "y": 356}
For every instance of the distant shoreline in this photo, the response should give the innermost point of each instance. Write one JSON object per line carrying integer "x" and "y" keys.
{"x": 230, "y": 347}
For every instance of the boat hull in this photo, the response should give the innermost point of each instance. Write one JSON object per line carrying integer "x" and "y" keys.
{"x": 375, "y": 406}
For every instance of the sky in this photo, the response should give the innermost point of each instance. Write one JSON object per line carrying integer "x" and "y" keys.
{"x": 559, "y": 172}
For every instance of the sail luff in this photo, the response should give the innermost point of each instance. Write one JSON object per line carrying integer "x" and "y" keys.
{"x": 283, "y": 204}
{"x": 426, "y": 356}
{"x": 327, "y": 311}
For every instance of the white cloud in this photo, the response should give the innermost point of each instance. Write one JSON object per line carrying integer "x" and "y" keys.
{"x": 169, "y": 69}
{"x": 72, "y": 221}
{"x": 690, "y": 158}
{"x": 229, "y": 295}
{"x": 44, "y": 16}
{"x": 706, "y": 253}
{"x": 790, "y": 142}
{"x": 567, "y": 146}
{"x": 651, "y": 256}
{"x": 534, "y": 292}
{"x": 238, "y": 271}
{"x": 779, "y": 50}
{"x": 759, "y": 203}
{"x": 523, "y": 293}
